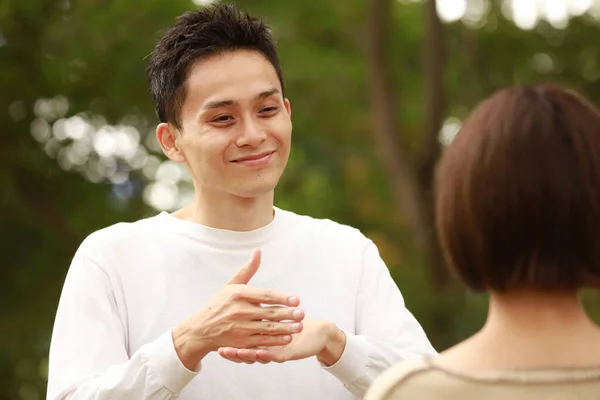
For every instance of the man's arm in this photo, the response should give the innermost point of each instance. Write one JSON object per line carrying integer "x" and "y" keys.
{"x": 88, "y": 352}
{"x": 386, "y": 332}
{"x": 88, "y": 355}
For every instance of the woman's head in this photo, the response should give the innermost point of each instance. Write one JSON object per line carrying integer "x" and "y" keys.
{"x": 518, "y": 192}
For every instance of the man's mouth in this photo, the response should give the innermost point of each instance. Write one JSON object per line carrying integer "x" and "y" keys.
{"x": 255, "y": 159}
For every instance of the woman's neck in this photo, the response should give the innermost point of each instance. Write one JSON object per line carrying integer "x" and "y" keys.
{"x": 523, "y": 312}
{"x": 529, "y": 330}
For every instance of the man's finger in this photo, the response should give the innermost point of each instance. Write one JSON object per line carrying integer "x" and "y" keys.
{"x": 243, "y": 276}
{"x": 230, "y": 354}
{"x": 266, "y": 356}
{"x": 249, "y": 356}
{"x": 277, "y": 313}
{"x": 267, "y": 296}
{"x": 274, "y": 328}
{"x": 268, "y": 340}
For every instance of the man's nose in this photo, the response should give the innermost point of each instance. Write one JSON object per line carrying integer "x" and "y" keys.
{"x": 252, "y": 134}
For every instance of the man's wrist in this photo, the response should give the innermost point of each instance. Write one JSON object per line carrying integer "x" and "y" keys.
{"x": 190, "y": 352}
{"x": 334, "y": 346}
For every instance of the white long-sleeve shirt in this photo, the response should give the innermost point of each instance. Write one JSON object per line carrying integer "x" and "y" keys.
{"x": 131, "y": 283}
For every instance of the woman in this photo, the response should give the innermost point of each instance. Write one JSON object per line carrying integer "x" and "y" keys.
{"x": 518, "y": 215}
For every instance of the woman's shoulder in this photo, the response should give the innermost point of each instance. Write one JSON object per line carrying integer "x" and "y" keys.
{"x": 396, "y": 375}
{"x": 424, "y": 378}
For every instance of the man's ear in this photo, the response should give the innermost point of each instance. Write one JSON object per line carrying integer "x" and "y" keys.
{"x": 167, "y": 135}
{"x": 288, "y": 106}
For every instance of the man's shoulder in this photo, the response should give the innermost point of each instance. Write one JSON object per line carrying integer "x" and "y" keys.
{"x": 324, "y": 227}
{"x": 119, "y": 233}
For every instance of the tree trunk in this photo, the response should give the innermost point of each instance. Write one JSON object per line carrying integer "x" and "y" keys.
{"x": 470, "y": 67}
{"x": 384, "y": 105}
{"x": 413, "y": 183}
{"x": 434, "y": 61}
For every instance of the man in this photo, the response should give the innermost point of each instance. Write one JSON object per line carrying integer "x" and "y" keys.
{"x": 156, "y": 309}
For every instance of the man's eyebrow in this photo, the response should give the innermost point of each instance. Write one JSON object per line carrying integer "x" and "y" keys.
{"x": 227, "y": 103}
{"x": 266, "y": 94}
{"x": 218, "y": 104}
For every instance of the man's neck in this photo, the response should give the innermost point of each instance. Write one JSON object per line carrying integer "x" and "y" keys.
{"x": 229, "y": 212}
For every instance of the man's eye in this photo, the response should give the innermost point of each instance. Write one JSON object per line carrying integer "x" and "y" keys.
{"x": 269, "y": 109}
{"x": 222, "y": 118}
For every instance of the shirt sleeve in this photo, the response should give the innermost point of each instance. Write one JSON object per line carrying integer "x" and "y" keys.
{"x": 88, "y": 351}
{"x": 386, "y": 332}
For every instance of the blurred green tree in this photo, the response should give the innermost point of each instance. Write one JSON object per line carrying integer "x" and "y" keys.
{"x": 377, "y": 88}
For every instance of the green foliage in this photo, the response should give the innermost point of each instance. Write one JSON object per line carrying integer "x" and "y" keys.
{"x": 93, "y": 55}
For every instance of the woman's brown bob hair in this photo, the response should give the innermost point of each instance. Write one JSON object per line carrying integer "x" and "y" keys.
{"x": 518, "y": 192}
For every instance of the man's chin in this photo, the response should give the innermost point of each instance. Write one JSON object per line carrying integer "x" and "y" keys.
{"x": 256, "y": 190}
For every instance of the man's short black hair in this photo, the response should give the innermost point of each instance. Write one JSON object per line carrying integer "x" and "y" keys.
{"x": 197, "y": 35}
{"x": 518, "y": 192}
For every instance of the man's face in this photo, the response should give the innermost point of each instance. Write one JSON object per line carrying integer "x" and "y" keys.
{"x": 236, "y": 126}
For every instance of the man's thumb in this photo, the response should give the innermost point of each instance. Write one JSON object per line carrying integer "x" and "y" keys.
{"x": 243, "y": 276}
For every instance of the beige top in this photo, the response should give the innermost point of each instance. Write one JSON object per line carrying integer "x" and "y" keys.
{"x": 420, "y": 379}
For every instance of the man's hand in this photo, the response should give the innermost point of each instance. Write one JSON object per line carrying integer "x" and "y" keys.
{"x": 318, "y": 338}
{"x": 234, "y": 317}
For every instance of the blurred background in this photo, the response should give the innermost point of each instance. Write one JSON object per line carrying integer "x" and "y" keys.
{"x": 378, "y": 88}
